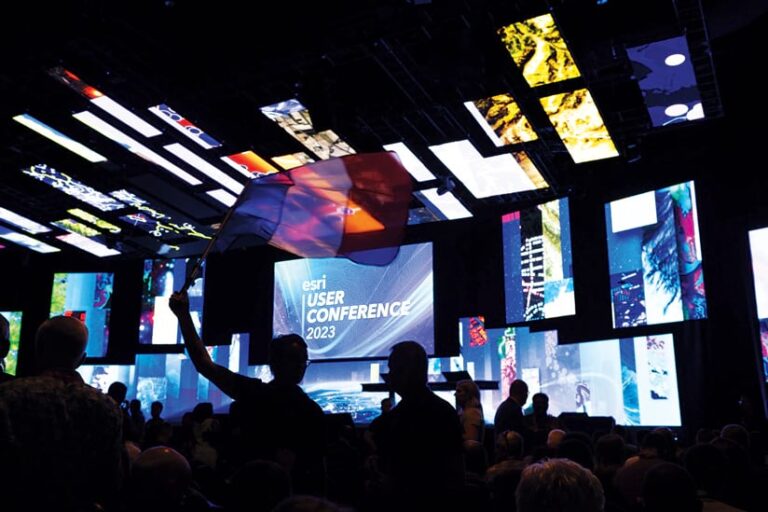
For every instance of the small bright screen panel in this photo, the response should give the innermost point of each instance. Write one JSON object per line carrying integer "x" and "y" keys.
{"x": 654, "y": 257}
{"x": 538, "y": 269}
{"x": 158, "y": 325}
{"x": 758, "y": 242}
{"x": 539, "y": 50}
{"x": 580, "y": 126}
{"x": 87, "y": 297}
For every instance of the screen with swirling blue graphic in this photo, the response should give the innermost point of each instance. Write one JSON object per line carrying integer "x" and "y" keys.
{"x": 348, "y": 310}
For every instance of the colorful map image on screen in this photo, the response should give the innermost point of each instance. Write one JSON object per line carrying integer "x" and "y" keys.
{"x": 87, "y": 297}
{"x": 347, "y": 310}
{"x": 654, "y": 257}
{"x": 337, "y": 388}
{"x": 14, "y": 321}
{"x": 758, "y": 243}
{"x": 158, "y": 325}
{"x": 538, "y": 273}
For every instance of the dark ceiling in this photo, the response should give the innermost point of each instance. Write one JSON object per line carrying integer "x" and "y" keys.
{"x": 375, "y": 72}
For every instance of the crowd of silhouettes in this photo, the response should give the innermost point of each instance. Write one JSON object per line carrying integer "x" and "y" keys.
{"x": 65, "y": 446}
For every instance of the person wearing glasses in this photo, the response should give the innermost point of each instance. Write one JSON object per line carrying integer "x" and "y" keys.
{"x": 279, "y": 420}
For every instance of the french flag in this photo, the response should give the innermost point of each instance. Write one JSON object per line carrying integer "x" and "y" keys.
{"x": 355, "y": 206}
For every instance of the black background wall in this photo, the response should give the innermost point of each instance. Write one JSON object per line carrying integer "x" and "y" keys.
{"x": 717, "y": 358}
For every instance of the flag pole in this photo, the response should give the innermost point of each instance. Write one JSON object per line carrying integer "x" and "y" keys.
{"x": 195, "y": 272}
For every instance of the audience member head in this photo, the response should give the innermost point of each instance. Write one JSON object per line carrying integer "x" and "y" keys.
{"x": 518, "y": 390}
{"x": 60, "y": 343}
{"x": 576, "y": 450}
{"x": 202, "y": 412}
{"x": 135, "y": 407}
{"x": 540, "y": 404}
{"x": 559, "y": 485}
{"x": 655, "y": 445}
{"x": 258, "y": 486}
{"x": 736, "y": 433}
{"x": 306, "y": 504}
{"x": 708, "y": 466}
{"x": 5, "y": 337}
{"x": 386, "y": 405}
{"x": 610, "y": 450}
{"x": 475, "y": 459}
{"x": 467, "y": 394}
{"x": 117, "y": 392}
{"x": 669, "y": 488}
{"x": 407, "y": 368}
{"x": 160, "y": 477}
{"x": 156, "y": 409}
{"x": 288, "y": 358}
{"x": 509, "y": 445}
{"x": 554, "y": 438}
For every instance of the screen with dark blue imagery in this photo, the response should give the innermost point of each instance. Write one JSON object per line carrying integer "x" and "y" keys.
{"x": 538, "y": 269}
{"x": 664, "y": 71}
{"x": 347, "y": 310}
{"x": 655, "y": 258}
{"x": 758, "y": 243}
{"x": 337, "y": 388}
{"x": 87, "y": 297}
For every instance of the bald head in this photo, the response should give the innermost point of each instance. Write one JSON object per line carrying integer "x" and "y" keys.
{"x": 60, "y": 343}
{"x": 160, "y": 476}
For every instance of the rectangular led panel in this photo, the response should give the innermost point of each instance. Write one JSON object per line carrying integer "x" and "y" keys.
{"x": 634, "y": 380}
{"x": 578, "y": 123}
{"x": 251, "y": 165}
{"x": 22, "y": 222}
{"x": 87, "y": 297}
{"x": 488, "y": 177}
{"x": 292, "y": 160}
{"x": 206, "y": 168}
{"x": 26, "y": 241}
{"x": 158, "y": 325}
{"x": 101, "y": 376}
{"x": 96, "y": 221}
{"x": 337, "y": 388}
{"x": 134, "y": 146}
{"x": 59, "y": 138}
{"x": 654, "y": 257}
{"x": 70, "y": 186}
{"x": 152, "y": 220}
{"x": 538, "y": 268}
{"x": 539, "y": 50}
{"x": 665, "y": 74}
{"x": 501, "y": 119}
{"x": 88, "y": 245}
{"x": 758, "y": 243}
{"x": 74, "y": 226}
{"x": 104, "y": 102}
{"x": 12, "y": 359}
{"x": 223, "y": 197}
{"x": 172, "y": 379}
{"x": 294, "y": 118}
{"x": 184, "y": 125}
{"x": 347, "y": 310}
{"x": 411, "y": 162}
{"x": 445, "y": 206}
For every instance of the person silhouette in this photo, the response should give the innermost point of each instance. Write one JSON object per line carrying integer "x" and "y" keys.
{"x": 283, "y": 424}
